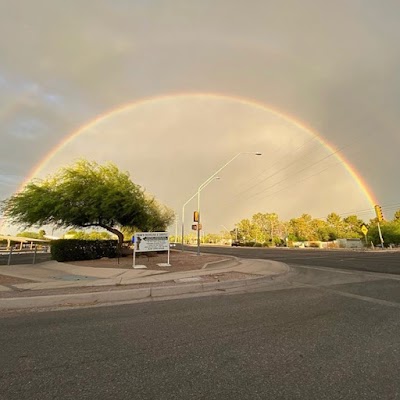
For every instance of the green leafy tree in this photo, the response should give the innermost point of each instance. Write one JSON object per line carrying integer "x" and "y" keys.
{"x": 396, "y": 217}
{"x": 212, "y": 238}
{"x": 352, "y": 226}
{"x": 246, "y": 230}
{"x": 336, "y": 226}
{"x": 300, "y": 228}
{"x": 319, "y": 230}
{"x": 28, "y": 234}
{"x": 87, "y": 194}
{"x": 93, "y": 235}
{"x": 390, "y": 233}
{"x": 128, "y": 232}
{"x": 267, "y": 227}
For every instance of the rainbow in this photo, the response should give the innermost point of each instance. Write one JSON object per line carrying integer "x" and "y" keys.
{"x": 99, "y": 118}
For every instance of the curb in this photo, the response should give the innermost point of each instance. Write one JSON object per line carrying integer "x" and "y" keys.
{"x": 225, "y": 263}
{"x": 120, "y": 296}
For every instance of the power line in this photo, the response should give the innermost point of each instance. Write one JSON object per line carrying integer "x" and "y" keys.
{"x": 271, "y": 166}
{"x": 302, "y": 180}
{"x": 298, "y": 172}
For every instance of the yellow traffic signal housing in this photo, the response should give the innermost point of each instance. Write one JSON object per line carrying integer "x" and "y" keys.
{"x": 196, "y": 216}
{"x": 379, "y": 214}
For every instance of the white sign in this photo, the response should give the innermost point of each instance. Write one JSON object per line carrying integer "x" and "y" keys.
{"x": 151, "y": 241}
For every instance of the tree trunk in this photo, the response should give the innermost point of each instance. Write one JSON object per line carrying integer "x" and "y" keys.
{"x": 115, "y": 232}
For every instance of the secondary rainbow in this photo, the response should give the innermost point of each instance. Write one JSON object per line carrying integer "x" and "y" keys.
{"x": 350, "y": 168}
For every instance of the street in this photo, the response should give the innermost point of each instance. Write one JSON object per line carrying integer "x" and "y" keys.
{"x": 371, "y": 261}
{"x": 315, "y": 333}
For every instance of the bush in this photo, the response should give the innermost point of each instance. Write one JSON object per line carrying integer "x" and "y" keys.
{"x": 390, "y": 233}
{"x": 75, "y": 250}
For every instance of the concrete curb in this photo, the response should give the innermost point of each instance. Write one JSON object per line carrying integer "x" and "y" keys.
{"x": 129, "y": 295}
{"x": 120, "y": 296}
{"x": 65, "y": 300}
{"x": 227, "y": 262}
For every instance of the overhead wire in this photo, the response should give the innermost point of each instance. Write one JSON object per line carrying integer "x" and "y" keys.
{"x": 277, "y": 172}
{"x": 298, "y": 172}
{"x": 296, "y": 161}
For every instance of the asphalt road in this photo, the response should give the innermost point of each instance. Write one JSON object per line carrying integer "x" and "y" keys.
{"x": 315, "y": 333}
{"x": 372, "y": 261}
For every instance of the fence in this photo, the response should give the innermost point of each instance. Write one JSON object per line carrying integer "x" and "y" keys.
{"x": 14, "y": 257}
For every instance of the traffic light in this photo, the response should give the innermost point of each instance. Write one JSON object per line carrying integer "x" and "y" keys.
{"x": 379, "y": 214}
{"x": 196, "y": 216}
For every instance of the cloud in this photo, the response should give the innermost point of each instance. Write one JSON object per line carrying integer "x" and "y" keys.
{"x": 333, "y": 66}
{"x": 171, "y": 145}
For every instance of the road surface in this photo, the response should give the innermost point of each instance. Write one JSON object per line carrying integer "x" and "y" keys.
{"x": 315, "y": 333}
{"x": 372, "y": 261}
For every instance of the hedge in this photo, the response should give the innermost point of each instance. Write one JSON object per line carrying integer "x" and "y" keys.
{"x": 75, "y": 249}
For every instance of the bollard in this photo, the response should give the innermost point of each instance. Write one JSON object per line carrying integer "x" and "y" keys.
{"x": 34, "y": 255}
{"x": 9, "y": 257}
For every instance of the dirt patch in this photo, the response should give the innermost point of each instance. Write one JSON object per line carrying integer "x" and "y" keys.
{"x": 11, "y": 280}
{"x": 180, "y": 261}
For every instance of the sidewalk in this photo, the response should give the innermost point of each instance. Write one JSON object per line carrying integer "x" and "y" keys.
{"x": 54, "y": 284}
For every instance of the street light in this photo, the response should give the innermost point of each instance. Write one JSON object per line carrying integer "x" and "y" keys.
{"x": 183, "y": 207}
{"x": 206, "y": 182}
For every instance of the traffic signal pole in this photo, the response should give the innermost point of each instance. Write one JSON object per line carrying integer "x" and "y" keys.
{"x": 380, "y": 235}
{"x": 379, "y": 216}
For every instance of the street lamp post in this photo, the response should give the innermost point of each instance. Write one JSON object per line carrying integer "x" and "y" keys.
{"x": 206, "y": 182}
{"x": 183, "y": 207}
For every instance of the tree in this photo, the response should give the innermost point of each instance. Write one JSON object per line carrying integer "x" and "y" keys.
{"x": 87, "y": 194}
{"x": 300, "y": 228}
{"x": 335, "y": 224}
{"x": 320, "y": 230}
{"x": 246, "y": 230}
{"x": 267, "y": 226}
{"x": 93, "y": 235}
{"x": 397, "y": 216}
{"x": 352, "y": 226}
{"x": 390, "y": 233}
{"x": 32, "y": 235}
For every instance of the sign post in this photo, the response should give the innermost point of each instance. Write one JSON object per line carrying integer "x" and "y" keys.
{"x": 151, "y": 241}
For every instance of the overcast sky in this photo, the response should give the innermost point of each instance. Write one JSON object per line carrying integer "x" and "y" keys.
{"x": 331, "y": 65}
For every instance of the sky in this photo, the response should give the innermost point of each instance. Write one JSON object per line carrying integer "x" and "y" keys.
{"x": 208, "y": 80}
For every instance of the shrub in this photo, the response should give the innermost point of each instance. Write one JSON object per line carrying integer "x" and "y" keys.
{"x": 74, "y": 249}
